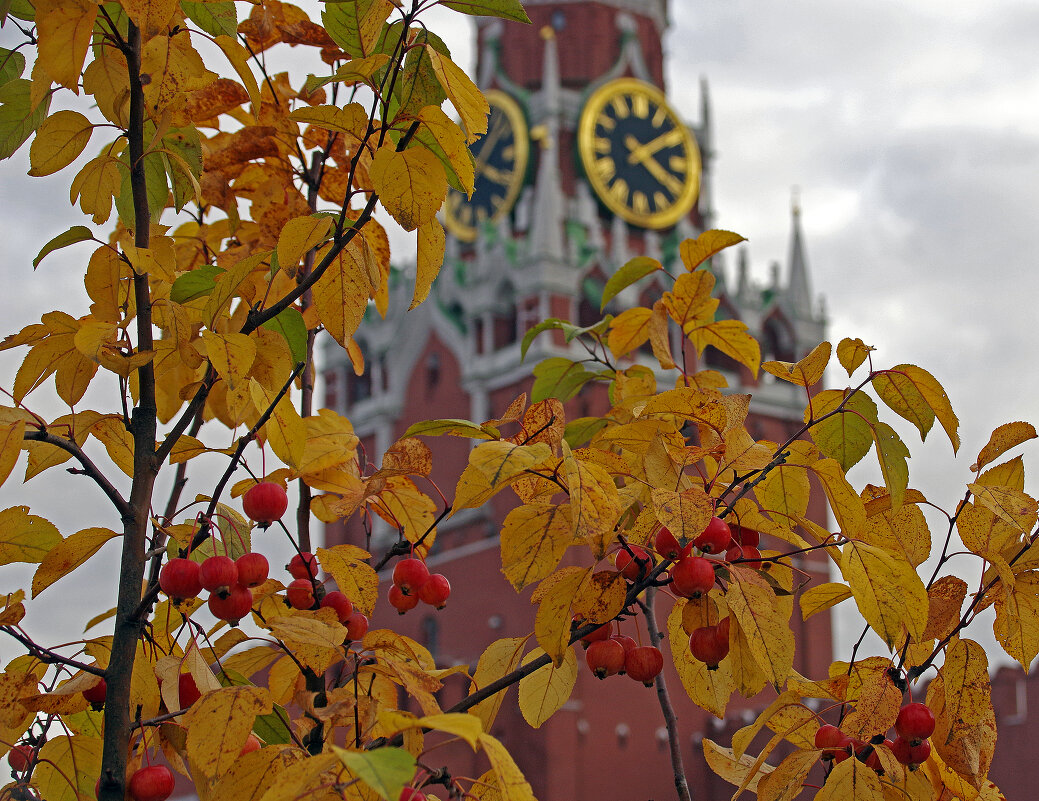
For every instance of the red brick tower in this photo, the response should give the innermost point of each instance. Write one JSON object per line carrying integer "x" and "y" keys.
{"x": 585, "y": 165}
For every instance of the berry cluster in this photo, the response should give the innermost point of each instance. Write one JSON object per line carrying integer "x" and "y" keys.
{"x": 915, "y": 723}
{"x": 617, "y": 654}
{"x": 300, "y": 594}
{"x": 412, "y": 582}
{"x": 229, "y": 582}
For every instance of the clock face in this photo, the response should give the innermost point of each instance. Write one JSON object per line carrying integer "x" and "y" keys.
{"x": 500, "y": 157}
{"x": 638, "y": 155}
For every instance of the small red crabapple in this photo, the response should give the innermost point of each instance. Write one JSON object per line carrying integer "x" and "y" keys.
{"x": 410, "y": 574}
{"x": 179, "y": 579}
{"x": 234, "y": 607}
{"x": 692, "y": 577}
{"x": 218, "y": 574}
{"x": 187, "y": 690}
{"x": 153, "y": 783}
{"x": 339, "y": 602}
{"x": 915, "y": 723}
{"x": 644, "y": 663}
{"x": 715, "y": 538}
{"x": 745, "y": 536}
{"x": 252, "y": 743}
{"x": 401, "y": 602}
{"x": 300, "y": 594}
{"x": 411, "y": 794}
{"x": 96, "y": 694}
{"x": 601, "y": 633}
{"x": 435, "y": 591}
{"x": 633, "y": 566}
{"x": 605, "y": 658}
{"x": 748, "y": 556}
{"x": 19, "y": 757}
{"x": 303, "y": 566}
{"x": 252, "y": 569}
{"x": 705, "y": 645}
{"x": 265, "y": 502}
{"x": 356, "y": 626}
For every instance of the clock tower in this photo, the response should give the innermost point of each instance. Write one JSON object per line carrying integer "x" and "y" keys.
{"x": 586, "y": 164}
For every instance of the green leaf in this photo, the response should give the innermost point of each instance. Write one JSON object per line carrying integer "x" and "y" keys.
{"x": 454, "y": 428}
{"x": 77, "y": 233}
{"x": 290, "y": 325}
{"x": 637, "y": 268}
{"x": 17, "y": 120}
{"x": 271, "y": 728}
{"x": 552, "y": 323}
{"x": 216, "y": 19}
{"x": 195, "y": 284}
{"x": 558, "y": 378}
{"x": 506, "y": 9}
{"x": 385, "y": 770}
{"x": 846, "y": 436}
{"x": 892, "y": 453}
{"x": 12, "y": 65}
{"x": 582, "y": 429}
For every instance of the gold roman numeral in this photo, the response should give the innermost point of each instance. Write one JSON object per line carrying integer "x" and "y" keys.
{"x": 640, "y": 203}
{"x": 640, "y": 105}
{"x": 606, "y": 169}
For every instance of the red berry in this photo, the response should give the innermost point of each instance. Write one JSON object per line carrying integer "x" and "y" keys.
{"x": 605, "y": 658}
{"x": 179, "y": 579}
{"x": 411, "y": 794}
{"x": 601, "y": 633}
{"x": 915, "y": 723}
{"x": 300, "y": 593}
{"x": 829, "y": 738}
{"x": 644, "y": 663}
{"x": 265, "y": 502}
{"x": 303, "y": 566}
{"x": 234, "y": 607}
{"x": 634, "y": 567}
{"x": 19, "y": 757}
{"x": 908, "y": 754}
{"x": 626, "y": 642}
{"x": 218, "y": 574}
{"x": 252, "y": 743}
{"x": 410, "y": 574}
{"x": 96, "y": 694}
{"x": 871, "y": 759}
{"x": 154, "y": 783}
{"x": 356, "y": 626}
{"x": 692, "y": 577}
{"x": 667, "y": 545}
{"x": 745, "y": 536}
{"x": 336, "y": 600}
{"x": 252, "y": 569}
{"x": 401, "y": 602}
{"x": 187, "y": 690}
{"x": 435, "y": 591}
{"x": 715, "y": 538}
{"x": 705, "y": 646}
{"x": 748, "y": 556}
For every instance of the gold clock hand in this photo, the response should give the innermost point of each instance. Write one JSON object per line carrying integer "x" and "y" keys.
{"x": 639, "y": 151}
{"x": 489, "y": 141}
{"x": 495, "y": 174}
{"x": 662, "y": 175}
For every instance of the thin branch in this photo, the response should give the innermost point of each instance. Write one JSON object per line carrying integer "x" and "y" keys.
{"x": 47, "y": 656}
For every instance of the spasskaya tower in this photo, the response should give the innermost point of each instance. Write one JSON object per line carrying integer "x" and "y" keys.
{"x": 586, "y": 164}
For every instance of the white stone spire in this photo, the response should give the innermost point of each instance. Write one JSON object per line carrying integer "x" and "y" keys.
{"x": 546, "y": 234}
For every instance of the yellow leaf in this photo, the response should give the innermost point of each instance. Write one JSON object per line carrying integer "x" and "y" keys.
{"x": 112, "y": 433}
{"x": 806, "y": 372}
{"x": 533, "y": 540}
{"x": 887, "y": 590}
{"x": 709, "y": 689}
{"x": 877, "y": 702}
{"x": 10, "y": 447}
{"x": 411, "y": 184}
{"x": 348, "y": 566}
{"x": 218, "y": 725}
{"x": 430, "y": 257}
{"x": 67, "y": 555}
{"x": 25, "y": 537}
{"x": 787, "y": 781}
{"x": 555, "y": 597}
{"x": 64, "y": 28}
{"x": 341, "y": 296}
{"x": 1010, "y": 505}
{"x": 174, "y": 68}
{"x": 784, "y": 491}
{"x": 594, "y": 502}
{"x": 298, "y": 236}
{"x": 852, "y": 353}
{"x": 695, "y": 252}
{"x": 659, "y": 337}
{"x": 944, "y": 602}
{"x": 753, "y": 603}
{"x": 494, "y": 465}
{"x": 95, "y": 186}
{"x": 511, "y": 784}
{"x": 847, "y": 506}
{"x": 499, "y": 659}
{"x": 686, "y": 514}
{"x": 1017, "y": 619}
{"x": 735, "y": 770}
{"x": 330, "y": 442}
{"x": 464, "y": 725}
{"x": 310, "y": 777}
{"x": 227, "y": 285}
{"x": 286, "y": 432}
{"x": 404, "y": 506}
{"x": 851, "y": 780}
{"x": 1003, "y": 439}
{"x": 151, "y": 16}
{"x": 544, "y": 691}
{"x": 731, "y": 338}
{"x": 239, "y": 57}
{"x": 450, "y": 139}
{"x": 231, "y": 356}
{"x": 903, "y": 531}
{"x": 251, "y": 775}
{"x": 12, "y": 610}
{"x": 892, "y": 454}
{"x": 251, "y": 661}
{"x": 75, "y": 759}
{"x": 913, "y": 393}
{"x": 823, "y": 597}
{"x": 601, "y": 597}
{"x": 58, "y": 142}
{"x": 629, "y": 330}
{"x": 468, "y": 100}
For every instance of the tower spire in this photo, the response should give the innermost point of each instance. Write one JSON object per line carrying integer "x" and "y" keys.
{"x": 799, "y": 289}
{"x": 546, "y": 236}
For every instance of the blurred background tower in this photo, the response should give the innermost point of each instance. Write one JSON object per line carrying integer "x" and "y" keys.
{"x": 585, "y": 165}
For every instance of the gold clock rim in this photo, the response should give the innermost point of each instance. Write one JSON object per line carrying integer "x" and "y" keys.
{"x": 518, "y": 123}
{"x": 585, "y": 144}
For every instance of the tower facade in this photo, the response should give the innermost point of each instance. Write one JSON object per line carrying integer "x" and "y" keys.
{"x": 585, "y": 165}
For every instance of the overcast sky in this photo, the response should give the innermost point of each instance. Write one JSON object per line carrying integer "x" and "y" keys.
{"x": 912, "y": 130}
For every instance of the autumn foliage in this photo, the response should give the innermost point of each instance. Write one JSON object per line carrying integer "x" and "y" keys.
{"x": 240, "y": 206}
